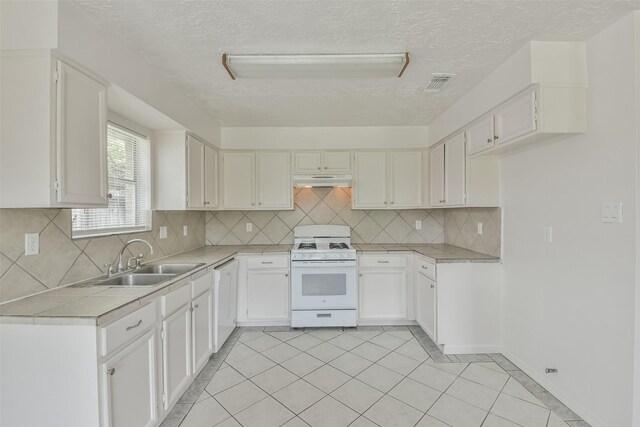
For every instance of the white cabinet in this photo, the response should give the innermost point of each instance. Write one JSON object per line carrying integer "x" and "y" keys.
{"x": 129, "y": 377}
{"x": 225, "y": 302}
{"x": 426, "y": 309}
{"x": 436, "y": 172}
{"x": 257, "y": 180}
{"x": 388, "y": 180}
{"x": 53, "y": 133}
{"x": 268, "y": 294}
{"x": 447, "y": 173}
{"x": 322, "y": 161}
{"x": 202, "y": 329}
{"x": 383, "y": 288}
{"x": 185, "y": 172}
{"x": 176, "y": 354}
{"x": 516, "y": 118}
{"x": 481, "y": 136}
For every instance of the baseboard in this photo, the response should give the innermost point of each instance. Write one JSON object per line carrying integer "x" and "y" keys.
{"x": 579, "y": 409}
{"x": 263, "y": 323}
{"x": 471, "y": 349}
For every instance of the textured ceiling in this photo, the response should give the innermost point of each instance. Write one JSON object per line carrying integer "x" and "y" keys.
{"x": 184, "y": 40}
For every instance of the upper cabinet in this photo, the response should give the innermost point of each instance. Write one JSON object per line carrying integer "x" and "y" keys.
{"x": 481, "y": 136}
{"x": 53, "y": 133}
{"x": 259, "y": 180}
{"x": 388, "y": 180}
{"x": 185, "y": 172}
{"x": 322, "y": 161}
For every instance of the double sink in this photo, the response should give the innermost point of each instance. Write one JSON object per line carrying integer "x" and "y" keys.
{"x": 149, "y": 275}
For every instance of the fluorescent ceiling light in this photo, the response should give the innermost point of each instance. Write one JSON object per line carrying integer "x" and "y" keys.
{"x": 315, "y": 66}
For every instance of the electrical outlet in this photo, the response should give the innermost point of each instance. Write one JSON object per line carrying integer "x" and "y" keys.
{"x": 479, "y": 228}
{"x": 185, "y": 230}
{"x": 548, "y": 234}
{"x": 418, "y": 224}
{"x": 248, "y": 227}
{"x": 31, "y": 244}
{"x": 163, "y": 231}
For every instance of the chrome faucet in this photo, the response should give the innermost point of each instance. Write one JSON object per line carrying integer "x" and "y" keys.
{"x": 118, "y": 261}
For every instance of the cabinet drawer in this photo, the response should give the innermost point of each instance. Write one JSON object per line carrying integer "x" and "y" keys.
{"x": 268, "y": 262}
{"x": 425, "y": 267}
{"x": 175, "y": 299}
{"x": 382, "y": 261}
{"x": 201, "y": 282}
{"x": 128, "y": 327}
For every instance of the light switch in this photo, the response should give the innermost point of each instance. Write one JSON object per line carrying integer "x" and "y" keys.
{"x": 479, "y": 228}
{"x": 418, "y": 224}
{"x": 163, "y": 231}
{"x": 612, "y": 212}
{"x": 248, "y": 227}
{"x": 548, "y": 234}
{"x": 185, "y": 230}
{"x": 31, "y": 244}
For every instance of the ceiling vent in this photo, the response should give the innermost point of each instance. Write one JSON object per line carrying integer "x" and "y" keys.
{"x": 437, "y": 81}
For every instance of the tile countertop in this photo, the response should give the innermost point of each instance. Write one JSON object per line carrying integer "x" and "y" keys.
{"x": 97, "y": 305}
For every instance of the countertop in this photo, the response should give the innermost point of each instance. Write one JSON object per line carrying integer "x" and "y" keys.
{"x": 97, "y": 305}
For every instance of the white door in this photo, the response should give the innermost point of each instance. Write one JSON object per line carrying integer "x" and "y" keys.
{"x": 436, "y": 176}
{"x": 308, "y": 162}
{"x": 517, "y": 118}
{"x": 337, "y": 161}
{"x": 454, "y": 171}
{"x": 129, "y": 377}
{"x": 481, "y": 136}
{"x": 406, "y": 179}
{"x": 370, "y": 178}
{"x": 81, "y": 139}
{"x": 268, "y": 295}
{"x": 239, "y": 179}
{"x": 202, "y": 329}
{"x": 176, "y": 354}
{"x": 426, "y": 304}
{"x": 210, "y": 177}
{"x": 195, "y": 173}
{"x": 382, "y": 294}
{"x": 275, "y": 189}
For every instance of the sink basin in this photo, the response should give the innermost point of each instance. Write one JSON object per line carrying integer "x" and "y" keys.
{"x": 176, "y": 269}
{"x": 137, "y": 280}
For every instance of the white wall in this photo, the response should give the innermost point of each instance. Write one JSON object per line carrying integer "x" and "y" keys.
{"x": 28, "y": 24}
{"x": 287, "y": 138}
{"x": 636, "y": 399}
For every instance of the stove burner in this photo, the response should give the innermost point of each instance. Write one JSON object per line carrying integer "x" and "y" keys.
{"x": 307, "y": 246}
{"x": 338, "y": 246}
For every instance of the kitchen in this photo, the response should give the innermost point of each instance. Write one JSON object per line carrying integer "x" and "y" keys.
{"x": 337, "y": 213}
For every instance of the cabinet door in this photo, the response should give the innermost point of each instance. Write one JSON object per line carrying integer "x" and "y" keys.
{"x": 436, "y": 176}
{"x": 406, "y": 179}
{"x": 517, "y": 118}
{"x": 81, "y": 139}
{"x": 268, "y": 295}
{"x": 210, "y": 177}
{"x": 370, "y": 180}
{"x": 195, "y": 173}
{"x": 308, "y": 162}
{"x": 454, "y": 171}
{"x": 426, "y": 304}
{"x": 481, "y": 136}
{"x": 337, "y": 161}
{"x": 176, "y": 354}
{"x": 239, "y": 179}
{"x": 202, "y": 329}
{"x": 275, "y": 189}
{"x": 225, "y": 305}
{"x": 130, "y": 381}
{"x": 382, "y": 294}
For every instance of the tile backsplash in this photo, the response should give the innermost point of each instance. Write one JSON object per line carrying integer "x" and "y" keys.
{"x": 63, "y": 260}
{"x": 325, "y": 206}
{"x": 461, "y": 229}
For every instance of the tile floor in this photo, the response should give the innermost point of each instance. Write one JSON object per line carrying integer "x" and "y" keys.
{"x": 367, "y": 376}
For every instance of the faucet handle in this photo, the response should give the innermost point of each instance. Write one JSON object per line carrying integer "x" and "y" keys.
{"x": 109, "y": 268}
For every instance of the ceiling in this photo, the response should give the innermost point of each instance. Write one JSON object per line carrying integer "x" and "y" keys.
{"x": 184, "y": 40}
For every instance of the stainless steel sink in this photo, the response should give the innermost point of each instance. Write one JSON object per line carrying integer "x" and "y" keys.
{"x": 176, "y": 269}
{"x": 137, "y": 280}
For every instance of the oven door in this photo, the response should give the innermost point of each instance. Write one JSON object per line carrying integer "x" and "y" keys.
{"x": 323, "y": 285}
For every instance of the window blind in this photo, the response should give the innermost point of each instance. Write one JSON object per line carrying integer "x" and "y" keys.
{"x": 129, "y": 186}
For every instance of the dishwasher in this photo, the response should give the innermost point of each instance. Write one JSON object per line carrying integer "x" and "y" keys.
{"x": 225, "y": 292}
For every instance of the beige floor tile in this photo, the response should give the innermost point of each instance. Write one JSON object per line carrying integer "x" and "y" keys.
{"x": 346, "y": 342}
{"x": 363, "y": 422}
{"x": 281, "y": 352}
{"x": 274, "y": 379}
{"x": 325, "y": 335}
{"x": 432, "y": 377}
{"x": 329, "y": 413}
{"x": 429, "y": 421}
{"x": 495, "y": 421}
{"x": 413, "y": 350}
{"x": 399, "y": 363}
{"x": 556, "y": 421}
{"x": 456, "y": 412}
{"x": 370, "y": 351}
{"x": 364, "y": 335}
{"x": 285, "y": 336}
{"x": 327, "y": 378}
{"x": 492, "y": 365}
{"x": 266, "y": 413}
{"x": 239, "y": 352}
{"x": 304, "y": 342}
{"x": 229, "y": 422}
{"x": 252, "y": 365}
{"x": 295, "y": 422}
{"x": 250, "y": 335}
{"x": 302, "y": 364}
{"x": 415, "y": 394}
{"x": 452, "y": 368}
{"x": 350, "y": 364}
{"x": 514, "y": 388}
{"x": 207, "y": 412}
{"x": 485, "y": 376}
{"x": 390, "y": 412}
{"x": 357, "y": 395}
{"x": 299, "y": 396}
{"x": 380, "y": 377}
{"x": 325, "y": 352}
{"x": 520, "y": 412}
{"x": 405, "y": 335}
{"x": 224, "y": 379}
{"x": 263, "y": 343}
{"x": 473, "y": 393}
{"x": 240, "y": 397}
{"x": 387, "y": 341}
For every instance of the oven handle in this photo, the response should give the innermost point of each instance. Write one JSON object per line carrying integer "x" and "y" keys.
{"x": 298, "y": 264}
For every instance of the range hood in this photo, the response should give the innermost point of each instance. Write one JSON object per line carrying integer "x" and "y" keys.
{"x": 322, "y": 180}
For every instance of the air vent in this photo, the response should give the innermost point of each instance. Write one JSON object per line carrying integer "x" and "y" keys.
{"x": 437, "y": 81}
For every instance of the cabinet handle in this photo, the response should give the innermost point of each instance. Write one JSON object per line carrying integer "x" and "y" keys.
{"x": 496, "y": 137}
{"x": 360, "y": 274}
{"x": 134, "y": 326}
{"x": 206, "y": 203}
{"x": 391, "y": 202}
{"x": 267, "y": 262}
{"x": 383, "y": 262}
{"x": 196, "y": 305}
{"x": 319, "y": 168}
{"x": 325, "y": 167}
{"x": 253, "y": 204}
{"x": 489, "y": 140}
{"x": 286, "y": 274}
{"x": 385, "y": 203}
{"x": 426, "y": 268}
{"x": 111, "y": 371}
{"x": 432, "y": 286}
{"x": 260, "y": 203}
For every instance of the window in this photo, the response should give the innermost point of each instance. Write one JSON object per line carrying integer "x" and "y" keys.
{"x": 129, "y": 181}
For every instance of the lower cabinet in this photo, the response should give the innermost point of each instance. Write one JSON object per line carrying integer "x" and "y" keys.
{"x": 382, "y": 294}
{"x": 176, "y": 354}
{"x": 268, "y": 294}
{"x": 202, "y": 329}
{"x": 426, "y": 314}
{"x": 130, "y": 380}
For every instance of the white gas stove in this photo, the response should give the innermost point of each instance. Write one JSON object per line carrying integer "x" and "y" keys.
{"x": 323, "y": 277}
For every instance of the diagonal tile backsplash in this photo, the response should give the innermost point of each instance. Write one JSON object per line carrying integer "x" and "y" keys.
{"x": 63, "y": 260}
{"x": 461, "y": 229}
